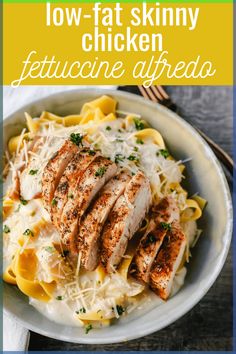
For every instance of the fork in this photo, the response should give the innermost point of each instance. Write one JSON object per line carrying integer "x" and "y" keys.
{"x": 159, "y": 95}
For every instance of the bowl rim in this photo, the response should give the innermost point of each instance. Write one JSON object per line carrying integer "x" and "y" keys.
{"x": 227, "y": 234}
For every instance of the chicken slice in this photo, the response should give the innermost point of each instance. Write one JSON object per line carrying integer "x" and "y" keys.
{"x": 20, "y": 164}
{"x": 167, "y": 261}
{"x": 69, "y": 181}
{"x": 161, "y": 217}
{"x": 54, "y": 170}
{"x": 93, "y": 179}
{"x": 146, "y": 254}
{"x": 124, "y": 220}
{"x": 166, "y": 211}
{"x": 92, "y": 224}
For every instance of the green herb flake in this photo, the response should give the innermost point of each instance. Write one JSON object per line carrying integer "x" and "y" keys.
{"x": 139, "y": 125}
{"x": 108, "y": 128}
{"x": 165, "y": 153}
{"x": 33, "y": 172}
{"x": 139, "y": 141}
{"x": 49, "y": 249}
{"x": 119, "y": 158}
{"x": 92, "y": 152}
{"x": 135, "y": 148}
{"x": 119, "y": 130}
{"x": 119, "y": 140}
{"x": 81, "y": 310}
{"x": 100, "y": 172}
{"x": 133, "y": 158}
{"x": 23, "y": 201}
{"x": 88, "y": 328}
{"x": 120, "y": 309}
{"x": 6, "y": 229}
{"x": 71, "y": 196}
{"x": 76, "y": 138}
{"x": 59, "y": 298}
{"x": 165, "y": 226}
{"x": 54, "y": 202}
{"x": 28, "y": 232}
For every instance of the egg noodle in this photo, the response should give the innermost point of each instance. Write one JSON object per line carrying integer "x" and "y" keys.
{"x": 34, "y": 257}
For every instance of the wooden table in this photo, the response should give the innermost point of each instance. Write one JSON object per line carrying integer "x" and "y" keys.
{"x": 208, "y": 326}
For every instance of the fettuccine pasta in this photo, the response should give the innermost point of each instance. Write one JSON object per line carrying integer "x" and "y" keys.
{"x": 35, "y": 259}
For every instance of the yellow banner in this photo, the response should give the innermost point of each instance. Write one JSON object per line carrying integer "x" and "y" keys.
{"x": 86, "y": 43}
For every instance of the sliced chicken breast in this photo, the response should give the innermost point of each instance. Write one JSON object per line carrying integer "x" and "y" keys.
{"x": 93, "y": 179}
{"x": 166, "y": 211}
{"x": 167, "y": 261}
{"x": 21, "y": 161}
{"x": 92, "y": 223}
{"x": 54, "y": 170}
{"x": 146, "y": 254}
{"x": 161, "y": 217}
{"x": 124, "y": 220}
{"x": 70, "y": 180}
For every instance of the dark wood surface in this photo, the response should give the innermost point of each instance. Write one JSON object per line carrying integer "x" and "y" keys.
{"x": 208, "y": 326}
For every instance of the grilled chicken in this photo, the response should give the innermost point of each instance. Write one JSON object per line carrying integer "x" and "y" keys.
{"x": 161, "y": 217}
{"x": 124, "y": 220}
{"x": 167, "y": 261}
{"x": 69, "y": 181}
{"x": 92, "y": 223}
{"x": 93, "y": 179}
{"x": 20, "y": 163}
{"x": 166, "y": 211}
{"x": 54, "y": 170}
{"x": 146, "y": 254}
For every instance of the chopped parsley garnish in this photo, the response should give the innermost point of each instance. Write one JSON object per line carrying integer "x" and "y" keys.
{"x": 33, "y": 172}
{"x": 81, "y": 310}
{"x": 139, "y": 125}
{"x": 120, "y": 309}
{"x": 172, "y": 189}
{"x": 108, "y": 128}
{"x": 23, "y": 201}
{"x": 165, "y": 226}
{"x": 165, "y": 153}
{"x": 119, "y": 158}
{"x": 28, "y": 232}
{"x": 100, "y": 172}
{"x": 119, "y": 140}
{"x": 49, "y": 249}
{"x": 92, "y": 152}
{"x": 135, "y": 148}
{"x": 76, "y": 138}
{"x": 139, "y": 141}
{"x": 54, "y": 202}
{"x": 70, "y": 196}
{"x": 88, "y": 328}
{"x": 119, "y": 130}
{"x": 59, "y": 297}
{"x": 6, "y": 229}
{"x": 133, "y": 158}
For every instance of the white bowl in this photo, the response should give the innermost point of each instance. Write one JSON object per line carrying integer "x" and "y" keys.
{"x": 204, "y": 175}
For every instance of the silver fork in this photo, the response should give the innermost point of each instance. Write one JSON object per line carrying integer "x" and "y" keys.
{"x": 159, "y": 95}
